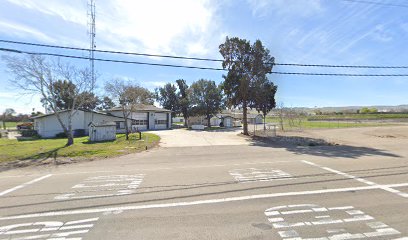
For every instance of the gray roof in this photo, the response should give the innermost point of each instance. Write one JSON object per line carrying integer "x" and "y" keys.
{"x": 50, "y": 114}
{"x": 142, "y": 108}
{"x": 103, "y": 124}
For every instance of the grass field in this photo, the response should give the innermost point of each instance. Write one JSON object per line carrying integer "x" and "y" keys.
{"x": 42, "y": 149}
{"x": 9, "y": 124}
{"x": 372, "y": 116}
{"x": 305, "y": 124}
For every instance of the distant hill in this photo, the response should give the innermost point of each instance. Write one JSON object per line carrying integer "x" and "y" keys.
{"x": 384, "y": 108}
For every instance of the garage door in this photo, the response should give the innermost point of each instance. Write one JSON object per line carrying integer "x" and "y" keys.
{"x": 160, "y": 121}
{"x": 139, "y": 121}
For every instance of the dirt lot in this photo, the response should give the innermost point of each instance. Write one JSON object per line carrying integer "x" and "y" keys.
{"x": 384, "y": 136}
{"x": 391, "y": 138}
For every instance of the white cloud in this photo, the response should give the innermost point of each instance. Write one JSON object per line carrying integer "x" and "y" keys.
{"x": 72, "y": 11}
{"x": 404, "y": 27}
{"x": 156, "y": 26}
{"x": 262, "y": 8}
{"x": 381, "y": 34}
{"x": 23, "y": 31}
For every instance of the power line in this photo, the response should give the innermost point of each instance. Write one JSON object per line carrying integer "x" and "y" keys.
{"x": 115, "y": 52}
{"x": 377, "y": 3}
{"x": 202, "y": 68}
{"x": 203, "y": 59}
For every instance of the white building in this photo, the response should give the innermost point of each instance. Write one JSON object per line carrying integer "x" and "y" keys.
{"x": 145, "y": 117}
{"x": 226, "y": 120}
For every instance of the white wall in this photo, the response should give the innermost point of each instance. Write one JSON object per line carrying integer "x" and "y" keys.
{"x": 98, "y": 118}
{"x": 153, "y": 116}
{"x": 49, "y": 126}
{"x": 228, "y": 122}
{"x": 214, "y": 121}
{"x": 103, "y": 133}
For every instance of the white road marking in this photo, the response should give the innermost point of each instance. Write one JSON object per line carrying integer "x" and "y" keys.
{"x": 155, "y": 169}
{"x": 258, "y": 175}
{"x": 24, "y": 185}
{"x": 341, "y": 231}
{"x": 383, "y": 187}
{"x": 200, "y": 202}
{"x": 47, "y": 229}
{"x": 119, "y": 185}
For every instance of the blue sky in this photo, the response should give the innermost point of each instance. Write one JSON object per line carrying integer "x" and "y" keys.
{"x": 296, "y": 31}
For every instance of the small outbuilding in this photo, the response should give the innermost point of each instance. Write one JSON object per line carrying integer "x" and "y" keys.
{"x": 99, "y": 132}
{"x": 223, "y": 120}
{"x": 228, "y": 121}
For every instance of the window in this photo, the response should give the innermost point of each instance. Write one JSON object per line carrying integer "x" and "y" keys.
{"x": 120, "y": 125}
{"x": 158, "y": 122}
{"x": 139, "y": 122}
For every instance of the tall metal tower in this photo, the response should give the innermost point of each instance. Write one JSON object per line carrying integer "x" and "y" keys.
{"x": 91, "y": 24}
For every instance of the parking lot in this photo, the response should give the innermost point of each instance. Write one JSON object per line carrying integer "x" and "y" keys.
{"x": 236, "y": 191}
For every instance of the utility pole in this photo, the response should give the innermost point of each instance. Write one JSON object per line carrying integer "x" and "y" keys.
{"x": 92, "y": 46}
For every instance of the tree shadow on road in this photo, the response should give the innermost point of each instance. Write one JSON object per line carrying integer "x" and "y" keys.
{"x": 318, "y": 147}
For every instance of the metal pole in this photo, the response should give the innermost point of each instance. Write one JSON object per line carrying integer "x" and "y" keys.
{"x": 92, "y": 30}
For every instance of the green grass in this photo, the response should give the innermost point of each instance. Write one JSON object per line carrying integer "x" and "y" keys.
{"x": 9, "y": 124}
{"x": 371, "y": 116}
{"x": 305, "y": 124}
{"x": 48, "y": 148}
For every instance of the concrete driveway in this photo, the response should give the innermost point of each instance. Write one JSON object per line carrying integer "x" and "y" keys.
{"x": 189, "y": 138}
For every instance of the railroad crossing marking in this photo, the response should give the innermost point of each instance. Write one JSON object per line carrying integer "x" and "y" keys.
{"x": 73, "y": 230}
{"x": 104, "y": 186}
{"x": 255, "y": 175}
{"x": 333, "y": 223}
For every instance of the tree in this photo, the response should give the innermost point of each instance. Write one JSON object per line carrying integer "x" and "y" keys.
{"x": 128, "y": 96}
{"x": 89, "y": 101}
{"x": 184, "y": 99}
{"x": 168, "y": 98}
{"x": 106, "y": 103}
{"x": 281, "y": 114}
{"x": 247, "y": 65}
{"x": 206, "y": 99}
{"x": 64, "y": 93}
{"x": 8, "y": 112}
{"x": 265, "y": 99}
{"x": 36, "y": 75}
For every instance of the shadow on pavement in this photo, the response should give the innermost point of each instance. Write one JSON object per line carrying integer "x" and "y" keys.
{"x": 317, "y": 147}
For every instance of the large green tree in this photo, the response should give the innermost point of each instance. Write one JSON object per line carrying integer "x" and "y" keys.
{"x": 247, "y": 67}
{"x": 265, "y": 99}
{"x": 206, "y": 99}
{"x": 64, "y": 93}
{"x": 67, "y": 97}
{"x": 168, "y": 98}
{"x": 88, "y": 101}
{"x": 184, "y": 99}
{"x": 106, "y": 103}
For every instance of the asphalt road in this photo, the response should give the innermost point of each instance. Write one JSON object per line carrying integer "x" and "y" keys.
{"x": 248, "y": 191}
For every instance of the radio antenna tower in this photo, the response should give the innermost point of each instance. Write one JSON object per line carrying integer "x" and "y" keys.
{"x": 92, "y": 46}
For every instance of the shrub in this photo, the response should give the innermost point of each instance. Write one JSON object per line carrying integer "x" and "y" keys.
{"x": 79, "y": 132}
{"x": 29, "y": 133}
{"x": 61, "y": 135}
